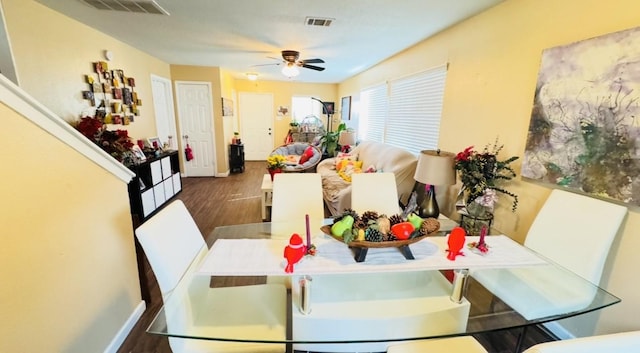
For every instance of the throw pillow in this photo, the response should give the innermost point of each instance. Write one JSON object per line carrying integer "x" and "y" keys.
{"x": 348, "y": 168}
{"x": 291, "y": 159}
{"x": 306, "y": 155}
{"x": 370, "y": 169}
{"x": 344, "y": 157}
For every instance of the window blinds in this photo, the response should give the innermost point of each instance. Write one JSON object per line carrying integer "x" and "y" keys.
{"x": 373, "y": 113}
{"x": 406, "y": 112}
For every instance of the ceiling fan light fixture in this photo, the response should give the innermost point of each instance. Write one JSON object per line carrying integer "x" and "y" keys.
{"x": 290, "y": 70}
{"x": 252, "y": 76}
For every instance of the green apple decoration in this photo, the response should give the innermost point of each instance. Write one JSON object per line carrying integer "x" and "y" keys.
{"x": 341, "y": 226}
{"x": 415, "y": 220}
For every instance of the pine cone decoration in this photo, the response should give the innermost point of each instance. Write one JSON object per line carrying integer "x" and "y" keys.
{"x": 359, "y": 224}
{"x": 372, "y": 234}
{"x": 429, "y": 225}
{"x": 369, "y": 216}
{"x": 389, "y": 237}
{"x": 395, "y": 219}
{"x": 346, "y": 212}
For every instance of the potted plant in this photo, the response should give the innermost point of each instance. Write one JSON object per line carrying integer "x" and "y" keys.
{"x": 329, "y": 141}
{"x": 275, "y": 163}
{"x": 482, "y": 175}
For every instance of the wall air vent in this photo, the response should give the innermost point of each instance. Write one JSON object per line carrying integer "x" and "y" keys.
{"x": 318, "y": 21}
{"x": 139, "y": 6}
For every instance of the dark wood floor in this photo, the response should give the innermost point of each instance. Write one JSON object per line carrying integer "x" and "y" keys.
{"x": 215, "y": 202}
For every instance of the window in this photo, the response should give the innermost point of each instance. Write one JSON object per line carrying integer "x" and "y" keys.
{"x": 301, "y": 107}
{"x": 405, "y": 112}
{"x": 373, "y": 111}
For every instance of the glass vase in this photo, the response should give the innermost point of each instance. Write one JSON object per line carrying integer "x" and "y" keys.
{"x": 473, "y": 224}
{"x": 273, "y": 172}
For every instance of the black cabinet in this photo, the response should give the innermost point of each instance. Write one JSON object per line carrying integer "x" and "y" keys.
{"x": 157, "y": 182}
{"x": 236, "y": 158}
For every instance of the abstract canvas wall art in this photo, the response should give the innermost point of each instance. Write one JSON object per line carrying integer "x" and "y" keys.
{"x": 584, "y": 131}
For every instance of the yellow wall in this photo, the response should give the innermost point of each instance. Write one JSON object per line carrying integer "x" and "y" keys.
{"x": 282, "y": 96}
{"x": 53, "y": 53}
{"x": 493, "y": 65}
{"x": 67, "y": 263}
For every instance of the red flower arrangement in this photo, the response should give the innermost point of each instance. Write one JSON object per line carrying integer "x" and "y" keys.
{"x": 481, "y": 174}
{"x": 116, "y": 143}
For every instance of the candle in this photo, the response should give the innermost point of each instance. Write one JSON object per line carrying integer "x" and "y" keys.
{"x": 483, "y": 232}
{"x": 306, "y": 219}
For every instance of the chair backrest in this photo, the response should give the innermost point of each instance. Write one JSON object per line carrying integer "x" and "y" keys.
{"x": 576, "y": 231}
{"x": 171, "y": 241}
{"x": 294, "y": 196}
{"x": 374, "y": 192}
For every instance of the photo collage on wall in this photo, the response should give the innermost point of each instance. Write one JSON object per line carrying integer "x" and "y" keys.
{"x": 116, "y": 93}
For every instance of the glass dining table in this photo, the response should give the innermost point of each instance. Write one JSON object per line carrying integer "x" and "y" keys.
{"x": 337, "y": 304}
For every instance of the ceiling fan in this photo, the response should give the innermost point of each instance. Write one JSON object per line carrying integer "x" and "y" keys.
{"x": 291, "y": 63}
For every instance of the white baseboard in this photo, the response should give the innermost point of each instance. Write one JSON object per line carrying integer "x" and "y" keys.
{"x": 124, "y": 331}
{"x": 558, "y": 330}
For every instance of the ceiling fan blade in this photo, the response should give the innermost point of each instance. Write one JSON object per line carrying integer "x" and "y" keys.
{"x": 265, "y": 64}
{"x": 313, "y": 61}
{"x": 313, "y": 67}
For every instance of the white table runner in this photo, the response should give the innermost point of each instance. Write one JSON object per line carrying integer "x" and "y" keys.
{"x": 257, "y": 257}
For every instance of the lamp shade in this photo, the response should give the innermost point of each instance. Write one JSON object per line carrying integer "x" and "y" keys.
{"x": 435, "y": 168}
{"x": 347, "y": 138}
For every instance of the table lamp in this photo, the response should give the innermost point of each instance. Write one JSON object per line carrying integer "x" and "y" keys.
{"x": 434, "y": 168}
{"x": 347, "y": 138}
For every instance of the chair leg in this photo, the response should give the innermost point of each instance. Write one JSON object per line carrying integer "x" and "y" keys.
{"x": 518, "y": 348}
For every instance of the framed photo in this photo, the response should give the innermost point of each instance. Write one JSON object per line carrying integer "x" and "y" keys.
{"x": 227, "y": 107}
{"x": 138, "y": 153}
{"x": 155, "y": 143}
{"x": 346, "y": 108}
{"x": 328, "y": 108}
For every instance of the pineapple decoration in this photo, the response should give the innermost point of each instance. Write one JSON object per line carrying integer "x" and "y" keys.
{"x": 374, "y": 227}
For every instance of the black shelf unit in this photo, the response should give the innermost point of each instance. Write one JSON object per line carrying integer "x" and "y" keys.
{"x": 236, "y": 158}
{"x": 157, "y": 182}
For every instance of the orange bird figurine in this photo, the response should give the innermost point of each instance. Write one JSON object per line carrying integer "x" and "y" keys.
{"x": 294, "y": 252}
{"x": 456, "y": 242}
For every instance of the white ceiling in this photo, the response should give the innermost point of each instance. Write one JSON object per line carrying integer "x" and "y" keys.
{"x": 236, "y": 35}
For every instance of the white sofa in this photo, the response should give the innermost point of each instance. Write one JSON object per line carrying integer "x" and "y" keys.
{"x": 625, "y": 342}
{"x": 384, "y": 158}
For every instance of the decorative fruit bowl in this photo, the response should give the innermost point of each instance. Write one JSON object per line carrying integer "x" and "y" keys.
{"x": 377, "y": 244}
{"x": 371, "y": 230}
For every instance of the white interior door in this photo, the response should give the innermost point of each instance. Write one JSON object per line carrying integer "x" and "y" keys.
{"x": 256, "y": 120}
{"x": 195, "y": 114}
{"x": 163, "y": 106}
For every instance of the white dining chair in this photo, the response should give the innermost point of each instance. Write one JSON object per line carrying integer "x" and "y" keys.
{"x": 374, "y": 192}
{"x": 407, "y": 304}
{"x": 572, "y": 230}
{"x": 294, "y": 196}
{"x": 174, "y": 247}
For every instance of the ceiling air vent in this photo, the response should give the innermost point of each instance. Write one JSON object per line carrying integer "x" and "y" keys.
{"x": 139, "y": 6}
{"x": 319, "y": 21}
